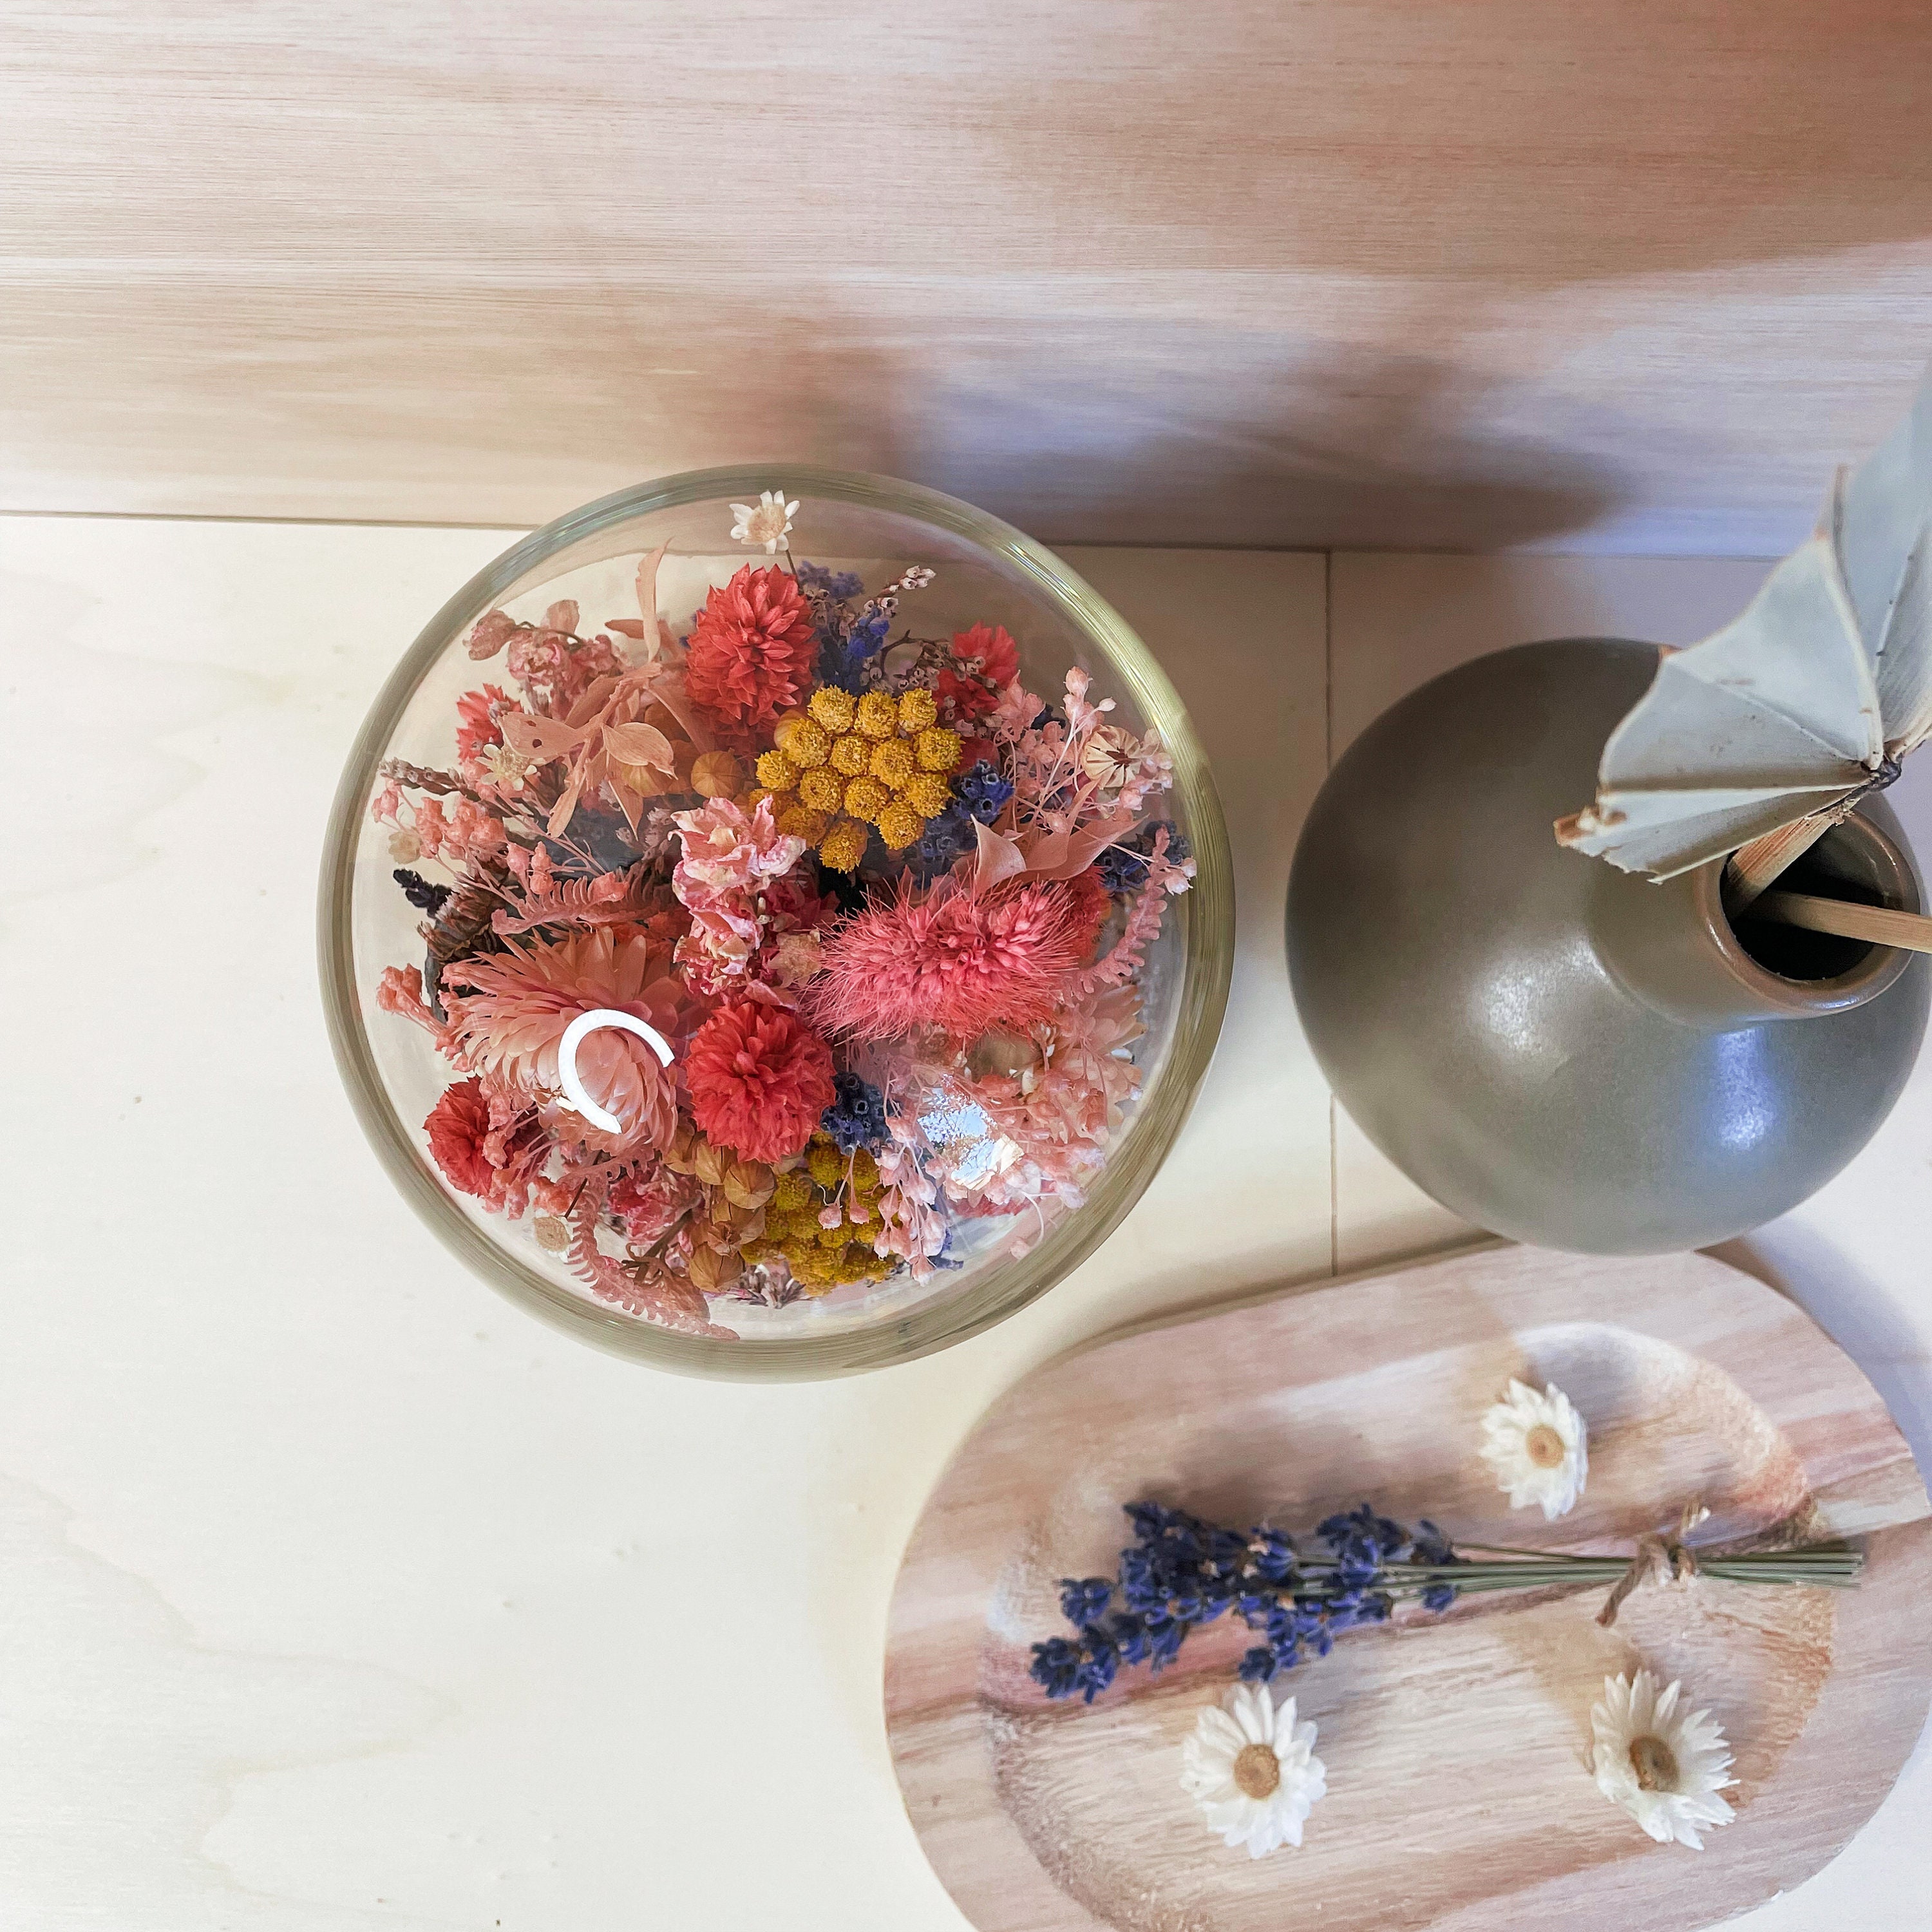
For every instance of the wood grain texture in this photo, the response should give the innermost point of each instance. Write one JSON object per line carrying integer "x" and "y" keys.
{"x": 1883, "y": 925}
{"x": 1458, "y": 1796}
{"x": 1365, "y": 272}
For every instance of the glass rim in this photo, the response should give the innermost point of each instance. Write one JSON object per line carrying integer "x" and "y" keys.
{"x": 1207, "y": 909}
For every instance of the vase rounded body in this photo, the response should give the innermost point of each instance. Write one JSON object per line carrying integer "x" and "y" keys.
{"x": 1558, "y": 1051}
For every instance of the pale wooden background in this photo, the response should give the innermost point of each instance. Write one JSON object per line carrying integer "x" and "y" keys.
{"x": 338, "y": 1595}
{"x": 1629, "y": 275}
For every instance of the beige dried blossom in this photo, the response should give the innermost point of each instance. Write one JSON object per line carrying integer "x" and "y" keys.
{"x": 1539, "y": 1447}
{"x": 1252, "y": 1770}
{"x": 1663, "y": 1767}
{"x": 768, "y": 521}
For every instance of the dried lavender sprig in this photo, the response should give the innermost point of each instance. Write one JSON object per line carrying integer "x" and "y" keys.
{"x": 1181, "y": 1572}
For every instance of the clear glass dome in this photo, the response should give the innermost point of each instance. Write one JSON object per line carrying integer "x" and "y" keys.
{"x": 971, "y": 1155}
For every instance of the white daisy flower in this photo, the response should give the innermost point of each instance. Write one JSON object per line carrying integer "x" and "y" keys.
{"x": 1253, "y": 1771}
{"x": 768, "y": 521}
{"x": 915, "y": 577}
{"x": 506, "y": 769}
{"x": 1539, "y": 1447}
{"x": 1664, "y": 1768}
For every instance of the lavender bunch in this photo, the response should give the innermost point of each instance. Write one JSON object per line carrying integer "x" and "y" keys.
{"x": 1181, "y": 1573}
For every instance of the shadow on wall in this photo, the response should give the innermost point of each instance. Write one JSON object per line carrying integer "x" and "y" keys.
{"x": 1222, "y": 438}
{"x": 1384, "y": 272}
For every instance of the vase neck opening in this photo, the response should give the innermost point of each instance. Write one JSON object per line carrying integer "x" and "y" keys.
{"x": 1675, "y": 946}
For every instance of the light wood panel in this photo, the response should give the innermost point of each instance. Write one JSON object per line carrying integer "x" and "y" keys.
{"x": 335, "y": 1594}
{"x": 1373, "y": 272}
{"x": 1457, "y": 1793}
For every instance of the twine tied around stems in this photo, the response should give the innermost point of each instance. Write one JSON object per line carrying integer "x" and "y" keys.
{"x": 1670, "y": 1553}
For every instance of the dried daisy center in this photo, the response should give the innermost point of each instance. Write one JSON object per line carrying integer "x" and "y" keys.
{"x": 1257, "y": 1772}
{"x": 1655, "y": 1765}
{"x": 1544, "y": 1447}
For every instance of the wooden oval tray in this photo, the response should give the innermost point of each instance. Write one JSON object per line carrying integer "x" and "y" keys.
{"x": 1458, "y": 1793}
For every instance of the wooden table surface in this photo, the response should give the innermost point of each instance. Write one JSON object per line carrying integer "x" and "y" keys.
{"x": 1628, "y": 276}
{"x": 336, "y": 1594}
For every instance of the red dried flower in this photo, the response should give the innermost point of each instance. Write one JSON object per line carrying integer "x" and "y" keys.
{"x": 760, "y": 1079}
{"x": 957, "y": 959}
{"x": 476, "y": 714}
{"x": 752, "y": 654}
{"x": 989, "y": 652}
{"x": 457, "y": 1125}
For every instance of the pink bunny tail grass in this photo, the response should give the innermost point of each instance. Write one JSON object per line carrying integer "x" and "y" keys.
{"x": 956, "y": 959}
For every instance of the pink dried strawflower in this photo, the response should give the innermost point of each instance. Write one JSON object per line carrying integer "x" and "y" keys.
{"x": 510, "y": 1010}
{"x": 751, "y": 654}
{"x": 956, "y": 959}
{"x": 760, "y": 1079}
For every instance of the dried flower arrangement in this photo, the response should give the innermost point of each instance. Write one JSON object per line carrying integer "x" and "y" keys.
{"x": 771, "y": 957}
{"x": 1249, "y": 1765}
{"x": 1180, "y": 1573}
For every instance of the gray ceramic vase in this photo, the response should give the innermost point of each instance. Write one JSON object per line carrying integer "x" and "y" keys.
{"x": 1555, "y": 1050}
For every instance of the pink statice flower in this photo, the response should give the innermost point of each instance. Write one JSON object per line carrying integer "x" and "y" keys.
{"x": 1013, "y": 717}
{"x": 730, "y": 859}
{"x": 556, "y": 669}
{"x": 400, "y": 991}
{"x": 648, "y": 1200}
{"x": 1044, "y": 1133}
{"x": 913, "y": 1225}
{"x": 457, "y": 832}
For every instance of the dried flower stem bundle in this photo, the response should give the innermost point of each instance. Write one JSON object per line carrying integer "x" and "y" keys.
{"x": 1181, "y": 1573}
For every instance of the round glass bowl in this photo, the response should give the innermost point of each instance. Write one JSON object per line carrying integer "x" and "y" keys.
{"x": 983, "y": 573}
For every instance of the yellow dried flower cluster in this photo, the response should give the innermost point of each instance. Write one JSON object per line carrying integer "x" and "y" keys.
{"x": 829, "y": 1185}
{"x": 850, "y": 763}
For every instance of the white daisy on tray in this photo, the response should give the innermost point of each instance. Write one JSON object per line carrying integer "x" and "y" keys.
{"x": 768, "y": 521}
{"x": 1539, "y": 1447}
{"x": 1252, "y": 1770}
{"x": 1664, "y": 1768}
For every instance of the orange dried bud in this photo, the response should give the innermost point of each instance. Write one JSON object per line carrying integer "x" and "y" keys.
{"x": 748, "y": 1183}
{"x": 711, "y": 1272}
{"x": 716, "y": 774}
